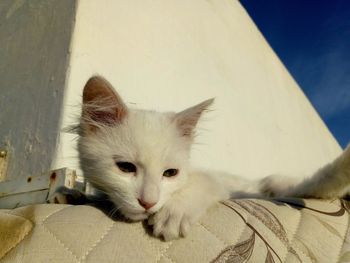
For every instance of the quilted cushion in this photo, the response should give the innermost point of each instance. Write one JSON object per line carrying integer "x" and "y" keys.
{"x": 13, "y": 229}
{"x": 290, "y": 230}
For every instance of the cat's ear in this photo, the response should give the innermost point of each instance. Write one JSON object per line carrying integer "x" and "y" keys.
{"x": 101, "y": 104}
{"x": 187, "y": 120}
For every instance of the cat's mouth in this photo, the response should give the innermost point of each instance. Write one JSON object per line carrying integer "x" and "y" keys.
{"x": 139, "y": 215}
{"x": 135, "y": 213}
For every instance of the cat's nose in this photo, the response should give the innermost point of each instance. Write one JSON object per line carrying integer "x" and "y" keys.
{"x": 145, "y": 204}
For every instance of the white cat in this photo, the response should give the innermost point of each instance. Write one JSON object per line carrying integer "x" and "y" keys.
{"x": 140, "y": 159}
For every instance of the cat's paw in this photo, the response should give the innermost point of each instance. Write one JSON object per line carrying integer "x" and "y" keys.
{"x": 277, "y": 186}
{"x": 172, "y": 221}
{"x": 65, "y": 195}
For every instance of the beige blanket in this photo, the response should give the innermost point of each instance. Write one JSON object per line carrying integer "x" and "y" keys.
{"x": 235, "y": 231}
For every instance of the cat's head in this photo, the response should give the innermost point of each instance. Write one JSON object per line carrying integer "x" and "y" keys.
{"x": 138, "y": 158}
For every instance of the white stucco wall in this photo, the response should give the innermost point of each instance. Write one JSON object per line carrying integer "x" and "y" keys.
{"x": 169, "y": 54}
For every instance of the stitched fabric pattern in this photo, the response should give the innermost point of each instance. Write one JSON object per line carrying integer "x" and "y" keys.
{"x": 289, "y": 230}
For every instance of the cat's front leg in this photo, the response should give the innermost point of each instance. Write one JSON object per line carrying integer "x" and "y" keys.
{"x": 174, "y": 219}
{"x": 186, "y": 206}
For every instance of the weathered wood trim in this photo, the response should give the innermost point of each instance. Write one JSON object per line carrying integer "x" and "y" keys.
{"x": 35, "y": 38}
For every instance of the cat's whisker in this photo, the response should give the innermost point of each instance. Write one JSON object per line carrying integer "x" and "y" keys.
{"x": 112, "y": 213}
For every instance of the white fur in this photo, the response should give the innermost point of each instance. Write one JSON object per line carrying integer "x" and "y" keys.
{"x": 331, "y": 181}
{"x": 154, "y": 142}
{"x": 150, "y": 141}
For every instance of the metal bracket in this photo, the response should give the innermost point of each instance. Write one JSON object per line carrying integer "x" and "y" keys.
{"x": 35, "y": 189}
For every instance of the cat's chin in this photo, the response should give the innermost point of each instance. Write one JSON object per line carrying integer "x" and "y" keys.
{"x": 136, "y": 216}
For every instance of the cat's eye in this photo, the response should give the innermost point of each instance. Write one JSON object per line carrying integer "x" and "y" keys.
{"x": 126, "y": 167}
{"x": 170, "y": 172}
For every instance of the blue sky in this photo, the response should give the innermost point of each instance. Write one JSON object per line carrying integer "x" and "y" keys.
{"x": 312, "y": 38}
